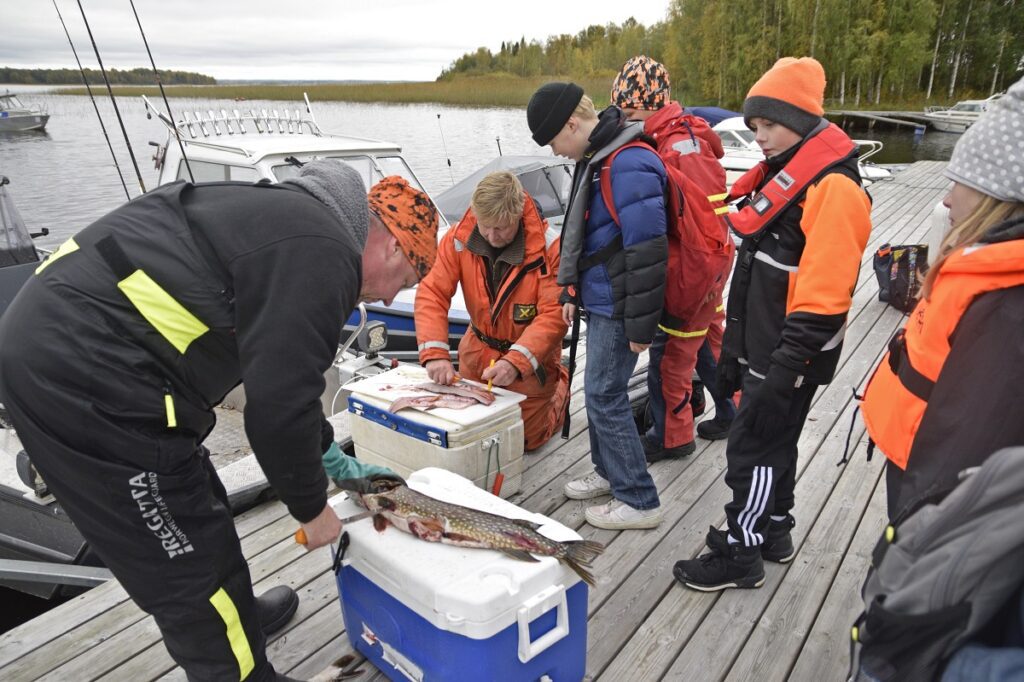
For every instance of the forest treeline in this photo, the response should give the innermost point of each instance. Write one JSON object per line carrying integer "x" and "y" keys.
{"x": 873, "y": 51}
{"x": 138, "y": 76}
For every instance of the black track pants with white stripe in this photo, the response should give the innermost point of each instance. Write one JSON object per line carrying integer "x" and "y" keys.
{"x": 762, "y": 473}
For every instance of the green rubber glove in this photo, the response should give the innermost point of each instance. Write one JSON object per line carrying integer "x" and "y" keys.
{"x": 340, "y": 466}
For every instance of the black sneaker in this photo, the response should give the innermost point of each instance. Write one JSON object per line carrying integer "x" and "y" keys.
{"x": 723, "y": 567}
{"x": 656, "y": 453}
{"x": 276, "y": 607}
{"x": 778, "y": 544}
{"x": 714, "y": 429}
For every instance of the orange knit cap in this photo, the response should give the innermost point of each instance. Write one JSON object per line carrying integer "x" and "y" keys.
{"x": 792, "y": 93}
{"x": 410, "y": 216}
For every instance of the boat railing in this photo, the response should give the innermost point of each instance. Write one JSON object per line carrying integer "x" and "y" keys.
{"x": 868, "y": 148}
{"x": 197, "y": 124}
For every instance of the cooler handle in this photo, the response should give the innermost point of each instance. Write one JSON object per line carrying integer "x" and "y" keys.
{"x": 541, "y": 603}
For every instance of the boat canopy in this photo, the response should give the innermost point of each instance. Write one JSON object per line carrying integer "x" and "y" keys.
{"x": 713, "y": 115}
{"x": 548, "y": 179}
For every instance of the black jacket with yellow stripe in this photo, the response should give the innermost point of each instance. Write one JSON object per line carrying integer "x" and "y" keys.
{"x": 198, "y": 287}
{"x": 803, "y": 270}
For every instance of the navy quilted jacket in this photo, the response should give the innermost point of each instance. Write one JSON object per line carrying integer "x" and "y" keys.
{"x": 631, "y": 284}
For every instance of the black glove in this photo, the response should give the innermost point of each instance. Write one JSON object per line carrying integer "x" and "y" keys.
{"x": 771, "y": 402}
{"x": 728, "y": 377}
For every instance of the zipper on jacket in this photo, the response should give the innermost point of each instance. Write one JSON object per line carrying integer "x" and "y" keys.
{"x": 526, "y": 269}
{"x": 172, "y": 417}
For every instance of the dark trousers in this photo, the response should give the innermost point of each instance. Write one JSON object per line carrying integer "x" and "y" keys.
{"x": 162, "y": 525}
{"x": 762, "y": 473}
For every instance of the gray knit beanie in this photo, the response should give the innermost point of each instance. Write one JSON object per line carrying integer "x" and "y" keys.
{"x": 340, "y": 187}
{"x": 990, "y": 156}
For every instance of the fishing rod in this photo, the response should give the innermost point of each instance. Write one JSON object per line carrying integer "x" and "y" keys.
{"x": 110, "y": 91}
{"x": 88, "y": 89}
{"x": 445, "y": 147}
{"x": 177, "y": 133}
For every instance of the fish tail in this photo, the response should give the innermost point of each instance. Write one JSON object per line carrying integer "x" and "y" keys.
{"x": 579, "y": 555}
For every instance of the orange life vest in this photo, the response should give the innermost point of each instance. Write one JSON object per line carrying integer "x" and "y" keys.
{"x": 897, "y": 394}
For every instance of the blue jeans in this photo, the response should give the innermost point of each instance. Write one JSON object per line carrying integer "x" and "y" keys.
{"x": 725, "y": 409}
{"x": 614, "y": 442}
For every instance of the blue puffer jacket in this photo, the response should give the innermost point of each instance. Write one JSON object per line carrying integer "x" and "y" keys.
{"x": 631, "y": 284}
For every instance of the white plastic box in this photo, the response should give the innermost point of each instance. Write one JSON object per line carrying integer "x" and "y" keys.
{"x": 426, "y": 612}
{"x": 476, "y": 442}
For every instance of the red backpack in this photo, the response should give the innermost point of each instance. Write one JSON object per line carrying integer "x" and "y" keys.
{"x": 700, "y": 250}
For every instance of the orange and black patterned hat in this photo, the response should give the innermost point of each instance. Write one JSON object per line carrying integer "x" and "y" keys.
{"x": 410, "y": 216}
{"x": 642, "y": 83}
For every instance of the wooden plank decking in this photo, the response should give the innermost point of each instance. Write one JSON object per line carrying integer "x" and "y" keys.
{"x": 642, "y": 625}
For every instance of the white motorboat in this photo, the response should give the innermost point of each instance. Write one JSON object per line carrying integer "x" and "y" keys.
{"x": 742, "y": 152}
{"x": 17, "y": 117}
{"x": 959, "y": 117}
{"x": 262, "y": 145}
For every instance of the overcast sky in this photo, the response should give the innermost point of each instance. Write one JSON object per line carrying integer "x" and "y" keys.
{"x": 295, "y": 39}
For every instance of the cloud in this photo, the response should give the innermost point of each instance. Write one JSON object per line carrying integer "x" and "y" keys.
{"x": 314, "y": 39}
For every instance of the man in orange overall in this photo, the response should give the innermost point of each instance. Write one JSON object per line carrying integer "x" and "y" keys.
{"x": 501, "y": 253}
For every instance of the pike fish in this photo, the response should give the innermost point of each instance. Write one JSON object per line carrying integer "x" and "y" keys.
{"x": 451, "y": 524}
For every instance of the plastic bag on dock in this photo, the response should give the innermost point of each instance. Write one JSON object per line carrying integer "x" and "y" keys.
{"x": 900, "y": 271}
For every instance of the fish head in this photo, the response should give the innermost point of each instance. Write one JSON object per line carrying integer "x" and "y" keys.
{"x": 370, "y": 492}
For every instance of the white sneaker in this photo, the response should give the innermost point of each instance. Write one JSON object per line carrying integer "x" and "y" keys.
{"x": 591, "y": 485}
{"x": 617, "y": 515}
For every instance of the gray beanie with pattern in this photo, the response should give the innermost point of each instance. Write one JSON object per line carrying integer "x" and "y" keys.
{"x": 990, "y": 155}
{"x": 340, "y": 187}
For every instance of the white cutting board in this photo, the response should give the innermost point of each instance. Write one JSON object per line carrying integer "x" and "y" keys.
{"x": 383, "y": 389}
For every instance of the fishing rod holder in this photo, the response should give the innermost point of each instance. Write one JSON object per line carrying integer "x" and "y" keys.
{"x": 198, "y": 125}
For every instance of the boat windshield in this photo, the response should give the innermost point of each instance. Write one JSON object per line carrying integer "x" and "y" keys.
{"x": 9, "y": 101}
{"x": 371, "y": 170}
{"x": 736, "y": 139}
{"x": 968, "y": 107}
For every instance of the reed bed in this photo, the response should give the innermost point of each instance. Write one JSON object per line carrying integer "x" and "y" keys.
{"x": 480, "y": 91}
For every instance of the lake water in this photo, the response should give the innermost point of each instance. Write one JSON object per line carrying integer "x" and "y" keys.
{"x": 64, "y": 178}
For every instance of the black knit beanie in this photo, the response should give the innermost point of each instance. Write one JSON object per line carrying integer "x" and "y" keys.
{"x": 549, "y": 109}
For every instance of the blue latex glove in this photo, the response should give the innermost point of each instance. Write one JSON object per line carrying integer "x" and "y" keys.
{"x": 340, "y": 466}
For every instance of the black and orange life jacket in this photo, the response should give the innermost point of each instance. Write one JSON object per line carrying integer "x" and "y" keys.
{"x": 897, "y": 394}
{"x": 773, "y": 246}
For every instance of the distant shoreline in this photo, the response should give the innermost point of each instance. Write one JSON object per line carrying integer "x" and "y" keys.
{"x": 498, "y": 90}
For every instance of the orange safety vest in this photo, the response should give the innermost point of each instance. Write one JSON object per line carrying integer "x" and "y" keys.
{"x": 897, "y": 394}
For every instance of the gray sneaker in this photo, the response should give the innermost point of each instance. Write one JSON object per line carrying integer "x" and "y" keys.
{"x": 591, "y": 485}
{"x": 617, "y": 515}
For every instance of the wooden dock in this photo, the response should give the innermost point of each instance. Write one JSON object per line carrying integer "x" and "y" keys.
{"x": 642, "y": 624}
{"x": 898, "y": 119}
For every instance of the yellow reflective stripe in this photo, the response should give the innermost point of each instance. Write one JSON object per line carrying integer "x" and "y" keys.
{"x": 683, "y": 335}
{"x": 172, "y": 419}
{"x": 718, "y": 197}
{"x": 70, "y": 246}
{"x": 721, "y": 210}
{"x": 236, "y": 635}
{"x": 177, "y": 325}
{"x": 720, "y": 307}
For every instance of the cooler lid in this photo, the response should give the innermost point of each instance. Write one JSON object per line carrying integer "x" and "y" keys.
{"x": 383, "y": 389}
{"x": 474, "y": 591}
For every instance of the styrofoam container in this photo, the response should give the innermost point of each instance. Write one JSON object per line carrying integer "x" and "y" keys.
{"x": 476, "y": 442}
{"x": 427, "y": 611}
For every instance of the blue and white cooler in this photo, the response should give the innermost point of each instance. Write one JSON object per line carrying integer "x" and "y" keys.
{"x": 429, "y": 612}
{"x": 477, "y": 442}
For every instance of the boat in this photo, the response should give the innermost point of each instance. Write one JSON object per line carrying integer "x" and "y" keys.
{"x": 959, "y": 117}
{"x": 18, "y": 117}
{"x": 742, "y": 152}
{"x": 271, "y": 146}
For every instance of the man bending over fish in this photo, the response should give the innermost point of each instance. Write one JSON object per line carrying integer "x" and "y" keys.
{"x": 502, "y": 254}
{"x": 113, "y": 355}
